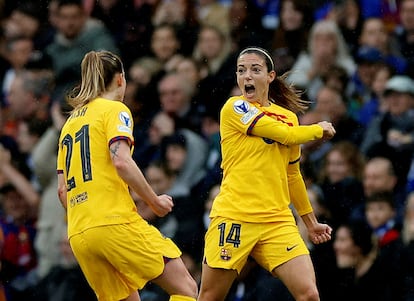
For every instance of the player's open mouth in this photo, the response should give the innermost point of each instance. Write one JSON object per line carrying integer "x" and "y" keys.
{"x": 250, "y": 89}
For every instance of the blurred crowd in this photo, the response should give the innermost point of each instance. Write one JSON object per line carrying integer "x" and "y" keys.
{"x": 353, "y": 60}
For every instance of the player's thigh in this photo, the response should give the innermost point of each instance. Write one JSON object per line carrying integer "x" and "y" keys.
{"x": 299, "y": 276}
{"x": 215, "y": 283}
{"x": 176, "y": 280}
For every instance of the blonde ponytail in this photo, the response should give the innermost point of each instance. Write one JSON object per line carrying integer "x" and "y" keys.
{"x": 97, "y": 71}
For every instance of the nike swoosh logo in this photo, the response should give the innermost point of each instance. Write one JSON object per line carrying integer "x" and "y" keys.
{"x": 291, "y": 248}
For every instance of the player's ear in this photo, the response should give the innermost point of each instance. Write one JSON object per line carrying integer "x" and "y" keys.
{"x": 271, "y": 76}
{"x": 120, "y": 78}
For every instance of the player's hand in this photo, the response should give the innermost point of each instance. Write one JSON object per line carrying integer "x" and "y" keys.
{"x": 163, "y": 206}
{"x": 328, "y": 129}
{"x": 320, "y": 233}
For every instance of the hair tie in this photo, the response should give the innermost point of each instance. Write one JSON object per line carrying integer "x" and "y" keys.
{"x": 261, "y": 51}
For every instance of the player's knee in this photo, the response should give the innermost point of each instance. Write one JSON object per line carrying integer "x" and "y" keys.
{"x": 190, "y": 288}
{"x": 193, "y": 287}
{"x": 311, "y": 294}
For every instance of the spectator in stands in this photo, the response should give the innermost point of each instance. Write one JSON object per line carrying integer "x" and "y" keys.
{"x": 18, "y": 52}
{"x": 404, "y": 34}
{"x": 143, "y": 70}
{"x": 381, "y": 216}
{"x": 30, "y": 95}
{"x": 28, "y": 134}
{"x": 361, "y": 274}
{"x": 213, "y": 192}
{"x": 313, "y": 152}
{"x": 176, "y": 96}
{"x": 374, "y": 34}
{"x": 341, "y": 182}
{"x": 13, "y": 175}
{"x": 161, "y": 125}
{"x": 113, "y": 13}
{"x": 291, "y": 36}
{"x": 246, "y": 27}
{"x": 368, "y": 61}
{"x": 407, "y": 252}
{"x": 51, "y": 221}
{"x": 18, "y": 257}
{"x": 213, "y": 53}
{"x": 29, "y": 19}
{"x": 191, "y": 70}
{"x": 331, "y": 103}
{"x": 336, "y": 77}
{"x": 184, "y": 153}
{"x": 376, "y": 105}
{"x": 211, "y": 132}
{"x": 348, "y": 15}
{"x": 213, "y": 13}
{"x": 386, "y": 10}
{"x": 184, "y": 157}
{"x": 182, "y": 15}
{"x": 391, "y": 133}
{"x": 128, "y": 22}
{"x": 379, "y": 176}
{"x": 76, "y": 35}
{"x": 165, "y": 46}
{"x": 161, "y": 180}
{"x": 326, "y": 47}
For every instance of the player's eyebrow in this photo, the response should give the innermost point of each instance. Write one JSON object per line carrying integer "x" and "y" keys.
{"x": 253, "y": 65}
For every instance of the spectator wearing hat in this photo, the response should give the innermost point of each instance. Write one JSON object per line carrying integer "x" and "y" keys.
{"x": 391, "y": 134}
{"x": 374, "y": 34}
{"x": 375, "y": 104}
{"x": 368, "y": 60}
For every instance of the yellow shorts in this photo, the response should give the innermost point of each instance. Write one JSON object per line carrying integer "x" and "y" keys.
{"x": 119, "y": 259}
{"x": 229, "y": 243}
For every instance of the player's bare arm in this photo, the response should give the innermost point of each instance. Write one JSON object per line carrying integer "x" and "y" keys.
{"x": 132, "y": 175}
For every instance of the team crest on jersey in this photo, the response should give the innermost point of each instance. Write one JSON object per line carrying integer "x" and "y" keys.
{"x": 241, "y": 106}
{"x": 225, "y": 254}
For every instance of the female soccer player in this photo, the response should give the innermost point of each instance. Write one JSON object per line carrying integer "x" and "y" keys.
{"x": 251, "y": 215}
{"x": 118, "y": 251}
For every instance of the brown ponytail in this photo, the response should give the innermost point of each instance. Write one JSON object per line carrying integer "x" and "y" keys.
{"x": 286, "y": 96}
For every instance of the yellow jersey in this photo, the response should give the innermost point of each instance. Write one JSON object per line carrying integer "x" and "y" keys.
{"x": 96, "y": 195}
{"x": 260, "y": 162}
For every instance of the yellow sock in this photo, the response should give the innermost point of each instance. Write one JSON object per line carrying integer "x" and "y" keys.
{"x": 181, "y": 298}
